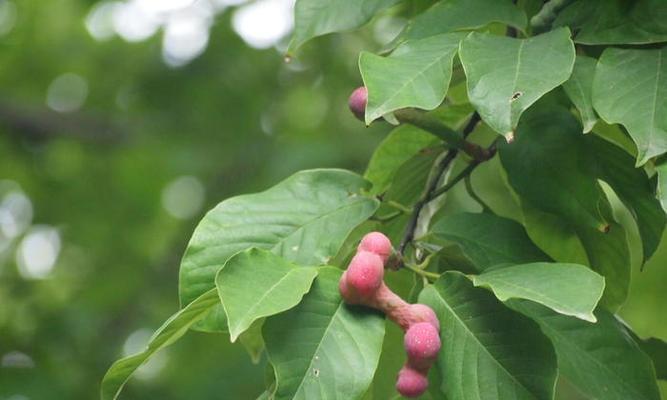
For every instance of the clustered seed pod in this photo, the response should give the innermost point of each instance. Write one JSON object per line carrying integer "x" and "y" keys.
{"x": 363, "y": 283}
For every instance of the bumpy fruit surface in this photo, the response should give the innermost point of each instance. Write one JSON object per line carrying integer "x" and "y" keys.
{"x": 365, "y": 274}
{"x": 357, "y": 102}
{"x": 411, "y": 383}
{"x": 376, "y": 242}
{"x": 422, "y": 344}
{"x": 423, "y": 313}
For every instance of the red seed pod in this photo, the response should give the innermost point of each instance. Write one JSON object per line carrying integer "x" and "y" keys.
{"x": 365, "y": 274}
{"x": 422, "y": 344}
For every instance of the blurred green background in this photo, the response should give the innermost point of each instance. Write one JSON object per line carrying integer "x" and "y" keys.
{"x": 121, "y": 123}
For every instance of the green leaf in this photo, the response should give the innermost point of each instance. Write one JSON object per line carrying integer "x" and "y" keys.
{"x": 633, "y": 187}
{"x": 506, "y": 75}
{"x": 175, "y": 327}
{"x": 580, "y": 90}
{"x": 608, "y": 254}
{"x": 304, "y": 219}
{"x": 656, "y": 349}
{"x": 253, "y": 341}
{"x": 397, "y": 148}
{"x": 416, "y": 74}
{"x": 324, "y": 349}
{"x": 489, "y": 352}
{"x": 630, "y": 88}
{"x": 486, "y": 239}
{"x": 455, "y": 15}
{"x": 569, "y": 289}
{"x": 314, "y": 18}
{"x": 616, "y": 21}
{"x": 257, "y": 283}
{"x": 546, "y": 166}
{"x": 662, "y": 185}
{"x": 600, "y": 359}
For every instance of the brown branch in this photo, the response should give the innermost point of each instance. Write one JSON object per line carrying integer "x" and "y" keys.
{"x": 41, "y": 123}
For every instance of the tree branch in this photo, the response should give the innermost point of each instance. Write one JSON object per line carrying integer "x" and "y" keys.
{"x": 431, "y": 187}
{"x": 433, "y": 125}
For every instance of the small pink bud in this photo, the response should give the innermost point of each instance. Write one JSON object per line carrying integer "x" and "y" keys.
{"x": 357, "y": 102}
{"x": 411, "y": 383}
{"x": 377, "y": 243}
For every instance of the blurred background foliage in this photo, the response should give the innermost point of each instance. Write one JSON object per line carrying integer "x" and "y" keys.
{"x": 121, "y": 123}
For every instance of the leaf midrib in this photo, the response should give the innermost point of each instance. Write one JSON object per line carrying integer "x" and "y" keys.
{"x": 244, "y": 318}
{"x": 502, "y": 367}
{"x": 413, "y": 78}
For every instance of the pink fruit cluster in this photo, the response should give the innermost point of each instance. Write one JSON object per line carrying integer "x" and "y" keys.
{"x": 362, "y": 283}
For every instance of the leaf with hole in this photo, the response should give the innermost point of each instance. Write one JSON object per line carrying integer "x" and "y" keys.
{"x": 507, "y": 75}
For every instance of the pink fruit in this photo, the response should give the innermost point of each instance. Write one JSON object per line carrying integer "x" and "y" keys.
{"x": 376, "y": 242}
{"x": 345, "y": 291}
{"x": 411, "y": 383}
{"x": 422, "y": 344}
{"x": 365, "y": 273}
{"x": 357, "y": 102}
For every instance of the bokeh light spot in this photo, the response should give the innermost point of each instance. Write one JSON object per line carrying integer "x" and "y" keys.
{"x": 67, "y": 93}
{"x": 38, "y": 252}
{"x": 183, "y": 197}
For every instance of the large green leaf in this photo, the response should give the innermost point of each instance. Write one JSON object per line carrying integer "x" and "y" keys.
{"x": 314, "y": 18}
{"x": 547, "y": 167}
{"x": 305, "y": 219}
{"x": 630, "y": 88}
{"x": 569, "y": 289}
{"x": 324, "y": 349}
{"x": 397, "y": 148}
{"x": 580, "y": 90}
{"x": 416, "y": 74}
{"x": 175, "y": 327}
{"x": 600, "y": 359}
{"x": 489, "y": 352}
{"x": 257, "y": 283}
{"x": 506, "y": 75}
{"x": 486, "y": 239}
{"x": 632, "y": 186}
{"x": 455, "y": 15}
{"x": 616, "y": 21}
